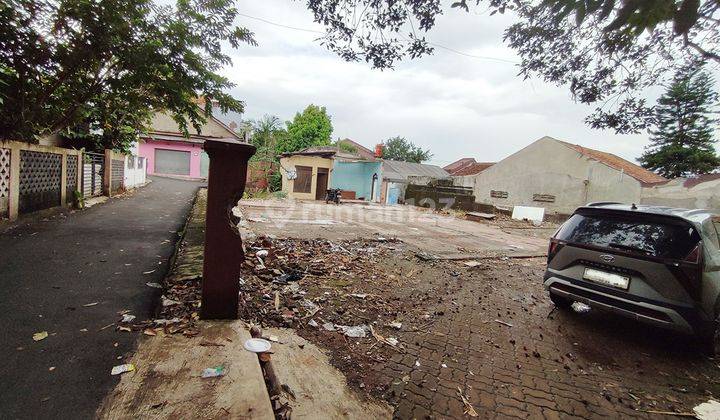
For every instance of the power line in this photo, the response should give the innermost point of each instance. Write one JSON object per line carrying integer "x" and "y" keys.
{"x": 280, "y": 24}
{"x": 452, "y": 50}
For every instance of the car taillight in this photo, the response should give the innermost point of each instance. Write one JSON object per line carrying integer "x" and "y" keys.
{"x": 553, "y": 249}
{"x": 694, "y": 255}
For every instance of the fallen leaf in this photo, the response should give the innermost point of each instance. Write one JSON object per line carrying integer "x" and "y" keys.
{"x": 40, "y": 335}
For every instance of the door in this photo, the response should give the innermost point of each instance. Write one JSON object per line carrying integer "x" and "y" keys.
{"x": 204, "y": 164}
{"x": 172, "y": 162}
{"x": 322, "y": 183}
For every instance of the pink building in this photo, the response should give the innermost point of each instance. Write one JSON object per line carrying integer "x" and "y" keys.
{"x": 168, "y": 152}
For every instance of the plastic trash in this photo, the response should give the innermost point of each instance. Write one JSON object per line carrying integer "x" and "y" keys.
{"x": 213, "y": 372}
{"x": 580, "y": 307}
{"x": 313, "y": 323}
{"x": 257, "y": 345}
{"x": 707, "y": 410}
{"x": 119, "y": 369}
{"x": 262, "y": 253}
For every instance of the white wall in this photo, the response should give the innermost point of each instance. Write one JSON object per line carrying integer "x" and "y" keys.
{"x": 549, "y": 167}
{"x": 673, "y": 194}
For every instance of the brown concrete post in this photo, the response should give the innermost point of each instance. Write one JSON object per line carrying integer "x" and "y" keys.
{"x": 223, "y": 246}
{"x": 107, "y": 175}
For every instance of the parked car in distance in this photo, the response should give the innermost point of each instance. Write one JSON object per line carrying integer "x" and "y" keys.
{"x": 658, "y": 265}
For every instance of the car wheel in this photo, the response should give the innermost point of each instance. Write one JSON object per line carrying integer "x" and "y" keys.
{"x": 560, "y": 301}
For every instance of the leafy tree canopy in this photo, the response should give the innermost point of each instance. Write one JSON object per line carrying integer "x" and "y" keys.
{"x": 607, "y": 51}
{"x": 312, "y": 127}
{"x": 398, "y": 148}
{"x": 683, "y": 142}
{"x": 97, "y": 69}
{"x": 267, "y": 132}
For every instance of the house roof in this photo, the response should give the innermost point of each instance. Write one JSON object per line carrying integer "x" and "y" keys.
{"x": 691, "y": 182}
{"x": 195, "y": 139}
{"x": 618, "y": 163}
{"x": 460, "y": 163}
{"x": 324, "y": 151}
{"x": 361, "y": 150}
{"x": 471, "y": 169}
{"x": 393, "y": 169}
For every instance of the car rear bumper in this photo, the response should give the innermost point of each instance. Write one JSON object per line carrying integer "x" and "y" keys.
{"x": 659, "y": 315}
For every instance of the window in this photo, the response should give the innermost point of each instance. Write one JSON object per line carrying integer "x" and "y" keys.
{"x": 545, "y": 198}
{"x": 303, "y": 182}
{"x": 498, "y": 194}
{"x": 631, "y": 233}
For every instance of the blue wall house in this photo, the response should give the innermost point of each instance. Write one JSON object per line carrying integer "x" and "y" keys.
{"x": 361, "y": 176}
{"x": 306, "y": 174}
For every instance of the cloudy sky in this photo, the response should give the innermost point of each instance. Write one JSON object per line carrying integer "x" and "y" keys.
{"x": 453, "y": 104}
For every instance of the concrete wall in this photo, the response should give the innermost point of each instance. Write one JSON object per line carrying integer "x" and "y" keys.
{"x": 315, "y": 162}
{"x": 164, "y": 122}
{"x": 358, "y": 177}
{"x": 673, "y": 194}
{"x": 147, "y": 150}
{"x": 549, "y": 167}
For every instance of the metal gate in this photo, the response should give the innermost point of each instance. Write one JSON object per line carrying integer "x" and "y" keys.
{"x": 93, "y": 169}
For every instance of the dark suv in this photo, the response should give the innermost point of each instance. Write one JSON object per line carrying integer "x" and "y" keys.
{"x": 655, "y": 264}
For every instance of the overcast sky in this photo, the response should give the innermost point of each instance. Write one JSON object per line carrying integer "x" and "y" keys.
{"x": 457, "y": 106}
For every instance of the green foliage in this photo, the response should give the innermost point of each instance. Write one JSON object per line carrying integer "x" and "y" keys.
{"x": 275, "y": 181}
{"x": 96, "y": 69}
{"x": 312, "y": 127}
{"x": 345, "y": 147}
{"x": 608, "y": 52}
{"x": 397, "y": 148}
{"x": 266, "y": 133}
{"x": 683, "y": 142}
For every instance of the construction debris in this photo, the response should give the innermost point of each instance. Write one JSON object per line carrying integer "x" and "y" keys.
{"x": 469, "y": 409}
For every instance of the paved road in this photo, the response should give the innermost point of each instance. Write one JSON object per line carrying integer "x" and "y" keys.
{"x": 51, "y": 269}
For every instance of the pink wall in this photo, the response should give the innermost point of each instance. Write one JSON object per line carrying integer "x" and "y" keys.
{"x": 147, "y": 150}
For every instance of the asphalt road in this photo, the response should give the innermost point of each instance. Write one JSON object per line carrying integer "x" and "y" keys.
{"x": 71, "y": 275}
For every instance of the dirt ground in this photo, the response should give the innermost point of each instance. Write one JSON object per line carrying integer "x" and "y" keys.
{"x": 449, "y": 340}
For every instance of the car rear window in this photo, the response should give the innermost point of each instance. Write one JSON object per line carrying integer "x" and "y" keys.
{"x": 631, "y": 234}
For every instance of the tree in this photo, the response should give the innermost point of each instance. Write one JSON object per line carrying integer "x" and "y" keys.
{"x": 97, "y": 69}
{"x": 397, "y": 148}
{"x": 312, "y": 127}
{"x": 609, "y": 52}
{"x": 682, "y": 143}
{"x": 267, "y": 132}
{"x": 345, "y": 147}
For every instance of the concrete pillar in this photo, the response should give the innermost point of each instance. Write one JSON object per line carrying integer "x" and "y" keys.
{"x": 223, "y": 246}
{"x": 107, "y": 173}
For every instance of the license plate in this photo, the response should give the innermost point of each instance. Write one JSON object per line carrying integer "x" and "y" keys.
{"x": 607, "y": 279}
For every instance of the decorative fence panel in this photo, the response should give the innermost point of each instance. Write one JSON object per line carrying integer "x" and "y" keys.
{"x": 4, "y": 181}
{"x": 72, "y": 178}
{"x": 117, "y": 176}
{"x": 40, "y": 180}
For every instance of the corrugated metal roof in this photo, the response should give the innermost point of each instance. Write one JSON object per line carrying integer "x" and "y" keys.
{"x": 393, "y": 169}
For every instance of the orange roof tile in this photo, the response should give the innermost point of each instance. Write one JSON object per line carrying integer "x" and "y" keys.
{"x": 472, "y": 169}
{"x": 616, "y": 162}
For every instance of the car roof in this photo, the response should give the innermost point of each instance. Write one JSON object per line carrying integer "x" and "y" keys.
{"x": 697, "y": 216}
